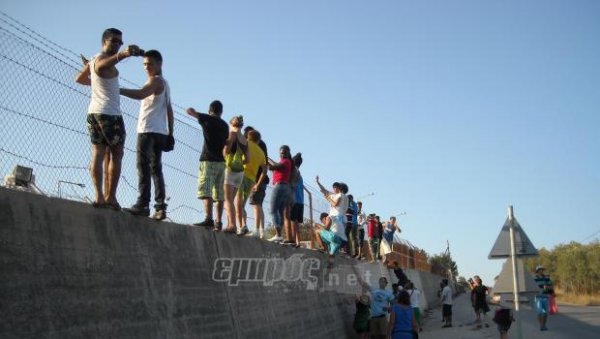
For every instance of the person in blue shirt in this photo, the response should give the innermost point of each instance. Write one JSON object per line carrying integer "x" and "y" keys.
{"x": 381, "y": 300}
{"x": 388, "y": 237}
{"x": 352, "y": 227}
{"x": 402, "y": 320}
{"x": 542, "y": 298}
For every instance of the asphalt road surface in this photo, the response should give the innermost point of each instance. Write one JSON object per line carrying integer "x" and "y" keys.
{"x": 579, "y": 322}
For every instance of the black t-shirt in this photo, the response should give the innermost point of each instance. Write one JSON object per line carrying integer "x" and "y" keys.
{"x": 262, "y": 146}
{"x": 215, "y": 132}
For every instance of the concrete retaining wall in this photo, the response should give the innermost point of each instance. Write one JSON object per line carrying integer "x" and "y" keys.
{"x": 68, "y": 270}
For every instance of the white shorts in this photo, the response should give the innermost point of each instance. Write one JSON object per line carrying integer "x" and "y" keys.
{"x": 233, "y": 178}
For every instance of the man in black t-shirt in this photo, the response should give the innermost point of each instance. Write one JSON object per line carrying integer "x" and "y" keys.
{"x": 212, "y": 162}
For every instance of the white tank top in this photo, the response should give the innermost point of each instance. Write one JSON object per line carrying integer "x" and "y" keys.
{"x": 105, "y": 93}
{"x": 153, "y": 112}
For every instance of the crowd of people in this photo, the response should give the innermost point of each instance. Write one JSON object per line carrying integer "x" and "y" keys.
{"x": 381, "y": 313}
{"x": 234, "y": 164}
{"x": 234, "y": 170}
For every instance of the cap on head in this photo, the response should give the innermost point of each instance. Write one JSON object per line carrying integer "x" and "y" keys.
{"x": 539, "y": 267}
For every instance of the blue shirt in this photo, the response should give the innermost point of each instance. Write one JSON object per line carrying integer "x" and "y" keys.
{"x": 354, "y": 208}
{"x": 299, "y": 194}
{"x": 380, "y": 299}
{"x": 388, "y": 232}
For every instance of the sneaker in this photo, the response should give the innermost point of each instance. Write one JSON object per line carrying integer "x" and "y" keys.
{"x": 208, "y": 222}
{"x": 139, "y": 211}
{"x": 218, "y": 226}
{"x": 243, "y": 231}
{"x": 159, "y": 215}
{"x": 253, "y": 234}
{"x": 544, "y": 328}
{"x": 261, "y": 233}
{"x": 276, "y": 238}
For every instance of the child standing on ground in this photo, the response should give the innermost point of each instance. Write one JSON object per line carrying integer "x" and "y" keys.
{"x": 503, "y": 317}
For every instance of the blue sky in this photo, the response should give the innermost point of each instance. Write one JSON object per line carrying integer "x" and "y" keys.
{"x": 447, "y": 110}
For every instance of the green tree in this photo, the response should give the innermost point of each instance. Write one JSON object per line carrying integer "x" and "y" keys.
{"x": 445, "y": 260}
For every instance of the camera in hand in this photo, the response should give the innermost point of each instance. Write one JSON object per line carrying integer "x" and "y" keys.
{"x": 139, "y": 52}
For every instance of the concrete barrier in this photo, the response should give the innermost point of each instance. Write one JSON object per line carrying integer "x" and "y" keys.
{"x": 69, "y": 270}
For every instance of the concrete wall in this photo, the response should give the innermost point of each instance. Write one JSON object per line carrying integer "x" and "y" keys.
{"x": 68, "y": 270}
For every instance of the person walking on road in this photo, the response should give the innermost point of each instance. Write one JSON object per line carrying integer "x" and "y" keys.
{"x": 478, "y": 297}
{"x": 542, "y": 299}
{"x": 446, "y": 304}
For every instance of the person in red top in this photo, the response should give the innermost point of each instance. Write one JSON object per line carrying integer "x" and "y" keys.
{"x": 282, "y": 193}
{"x": 372, "y": 233}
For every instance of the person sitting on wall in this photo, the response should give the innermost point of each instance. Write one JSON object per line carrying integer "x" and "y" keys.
{"x": 327, "y": 238}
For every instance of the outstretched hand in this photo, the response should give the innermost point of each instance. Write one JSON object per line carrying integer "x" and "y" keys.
{"x": 191, "y": 111}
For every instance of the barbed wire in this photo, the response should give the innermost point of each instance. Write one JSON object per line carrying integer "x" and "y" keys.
{"x": 35, "y": 162}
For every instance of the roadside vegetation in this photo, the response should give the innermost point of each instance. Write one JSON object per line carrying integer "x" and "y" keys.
{"x": 575, "y": 270}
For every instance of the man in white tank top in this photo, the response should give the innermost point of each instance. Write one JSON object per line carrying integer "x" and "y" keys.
{"x": 105, "y": 123}
{"x": 155, "y": 125}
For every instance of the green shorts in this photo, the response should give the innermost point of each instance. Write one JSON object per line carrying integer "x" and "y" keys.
{"x": 211, "y": 175}
{"x": 246, "y": 188}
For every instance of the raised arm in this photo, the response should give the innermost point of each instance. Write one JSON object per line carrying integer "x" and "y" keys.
{"x": 107, "y": 62}
{"x": 322, "y": 188}
{"x": 83, "y": 77}
{"x": 192, "y": 112}
{"x": 152, "y": 86}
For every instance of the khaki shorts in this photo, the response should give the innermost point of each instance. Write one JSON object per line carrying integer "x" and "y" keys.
{"x": 378, "y": 326}
{"x": 210, "y": 180}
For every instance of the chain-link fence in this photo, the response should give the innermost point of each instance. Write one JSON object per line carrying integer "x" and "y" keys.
{"x": 44, "y": 128}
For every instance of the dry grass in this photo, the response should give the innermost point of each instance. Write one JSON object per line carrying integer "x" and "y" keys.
{"x": 578, "y": 299}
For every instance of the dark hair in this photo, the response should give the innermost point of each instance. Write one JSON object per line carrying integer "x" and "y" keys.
{"x": 403, "y": 298}
{"x": 343, "y": 187}
{"x": 247, "y": 129}
{"x": 109, "y": 32}
{"x": 154, "y": 55}
{"x": 216, "y": 107}
{"x": 323, "y": 215}
{"x": 445, "y": 282}
{"x": 359, "y": 202}
{"x": 286, "y": 148}
{"x": 350, "y": 197}
{"x": 254, "y": 135}
{"x": 337, "y": 185}
{"x": 297, "y": 159}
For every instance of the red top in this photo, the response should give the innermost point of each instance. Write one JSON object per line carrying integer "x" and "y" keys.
{"x": 372, "y": 227}
{"x": 283, "y": 175}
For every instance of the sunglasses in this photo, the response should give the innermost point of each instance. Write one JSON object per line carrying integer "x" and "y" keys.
{"x": 116, "y": 41}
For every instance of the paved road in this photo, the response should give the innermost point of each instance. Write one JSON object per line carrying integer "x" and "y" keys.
{"x": 577, "y": 322}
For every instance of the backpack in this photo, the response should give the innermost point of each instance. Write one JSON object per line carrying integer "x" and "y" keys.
{"x": 235, "y": 161}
